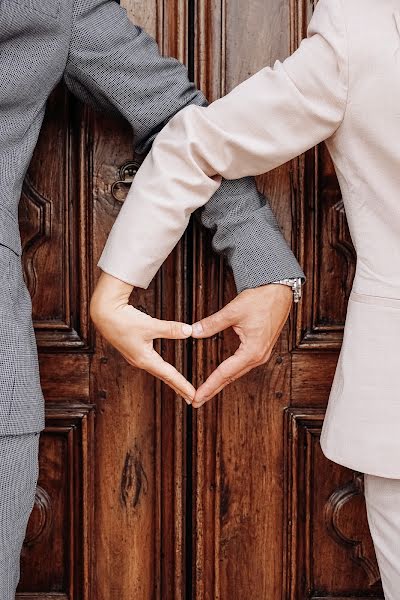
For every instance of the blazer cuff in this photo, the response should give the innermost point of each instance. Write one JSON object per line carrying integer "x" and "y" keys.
{"x": 138, "y": 274}
{"x": 260, "y": 254}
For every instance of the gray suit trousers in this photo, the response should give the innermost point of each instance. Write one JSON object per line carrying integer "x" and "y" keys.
{"x": 21, "y": 417}
{"x": 382, "y": 498}
{"x": 18, "y": 478}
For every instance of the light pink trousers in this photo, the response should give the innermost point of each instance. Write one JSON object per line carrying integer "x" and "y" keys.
{"x": 383, "y": 510}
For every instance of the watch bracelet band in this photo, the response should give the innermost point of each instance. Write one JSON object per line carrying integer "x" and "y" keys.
{"x": 294, "y": 283}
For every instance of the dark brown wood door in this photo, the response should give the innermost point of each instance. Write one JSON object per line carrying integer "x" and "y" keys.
{"x": 139, "y": 497}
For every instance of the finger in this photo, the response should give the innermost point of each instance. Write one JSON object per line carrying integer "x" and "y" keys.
{"x": 213, "y": 324}
{"x": 173, "y": 330}
{"x": 228, "y": 371}
{"x": 158, "y": 367}
{"x": 202, "y": 395}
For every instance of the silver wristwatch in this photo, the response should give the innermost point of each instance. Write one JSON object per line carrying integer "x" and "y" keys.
{"x": 295, "y": 284}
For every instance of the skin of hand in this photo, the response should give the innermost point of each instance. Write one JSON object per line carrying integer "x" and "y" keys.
{"x": 257, "y": 316}
{"x": 132, "y": 332}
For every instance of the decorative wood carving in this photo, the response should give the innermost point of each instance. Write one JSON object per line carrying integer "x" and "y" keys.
{"x": 324, "y": 536}
{"x": 54, "y": 223}
{"x": 340, "y": 240}
{"x": 35, "y": 224}
{"x": 58, "y": 545}
{"x": 42, "y": 518}
{"x": 326, "y": 252}
{"x": 334, "y": 509}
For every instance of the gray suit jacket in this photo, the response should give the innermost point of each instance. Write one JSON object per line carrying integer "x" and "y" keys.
{"x": 108, "y": 62}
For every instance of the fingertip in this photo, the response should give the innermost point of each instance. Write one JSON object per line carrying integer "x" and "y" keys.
{"x": 198, "y": 403}
{"x": 199, "y": 399}
{"x": 197, "y": 329}
{"x": 187, "y": 330}
{"x": 190, "y": 394}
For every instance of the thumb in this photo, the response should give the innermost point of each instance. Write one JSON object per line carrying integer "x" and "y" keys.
{"x": 213, "y": 324}
{"x": 173, "y": 330}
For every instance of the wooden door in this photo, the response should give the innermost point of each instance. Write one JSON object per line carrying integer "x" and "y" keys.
{"x": 139, "y": 497}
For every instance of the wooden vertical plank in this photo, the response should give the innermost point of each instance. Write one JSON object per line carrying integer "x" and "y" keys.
{"x": 238, "y": 455}
{"x": 173, "y": 305}
{"x": 140, "y": 422}
{"x": 125, "y": 399}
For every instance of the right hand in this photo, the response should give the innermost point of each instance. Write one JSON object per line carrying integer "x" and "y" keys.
{"x": 257, "y": 316}
{"x": 132, "y": 332}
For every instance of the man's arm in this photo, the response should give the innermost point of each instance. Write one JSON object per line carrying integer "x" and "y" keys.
{"x": 275, "y": 115}
{"x": 115, "y": 65}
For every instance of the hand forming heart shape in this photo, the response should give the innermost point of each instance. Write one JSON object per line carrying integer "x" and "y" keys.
{"x": 256, "y": 315}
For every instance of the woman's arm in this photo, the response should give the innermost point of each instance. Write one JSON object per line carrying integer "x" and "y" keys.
{"x": 275, "y": 115}
{"x": 115, "y": 65}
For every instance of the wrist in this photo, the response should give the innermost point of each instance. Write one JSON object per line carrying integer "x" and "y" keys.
{"x": 269, "y": 292}
{"x": 293, "y": 283}
{"x": 109, "y": 293}
{"x": 284, "y": 292}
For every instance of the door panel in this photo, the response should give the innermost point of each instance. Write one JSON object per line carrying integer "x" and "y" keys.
{"x": 140, "y": 497}
{"x": 328, "y": 543}
{"x": 108, "y": 519}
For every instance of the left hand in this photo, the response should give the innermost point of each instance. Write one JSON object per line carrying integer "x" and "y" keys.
{"x": 132, "y": 332}
{"x": 257, "y": 316}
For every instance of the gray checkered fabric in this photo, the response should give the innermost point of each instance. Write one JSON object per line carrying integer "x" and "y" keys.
{"x": 108, "y": 62}
{"x": 21, "y": 399}
{"x": 18, "y": 478}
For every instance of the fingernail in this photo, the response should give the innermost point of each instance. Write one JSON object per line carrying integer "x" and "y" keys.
{"x": 187, "y": 329}
{"x": 188, "y": 401}
{"x": 197, "y": 328}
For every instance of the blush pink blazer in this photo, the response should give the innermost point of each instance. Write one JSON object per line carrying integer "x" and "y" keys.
{"x": 342, "y": 85}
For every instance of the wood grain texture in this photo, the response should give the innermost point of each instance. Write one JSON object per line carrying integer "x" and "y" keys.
{"x": 57, "y": 551}
{"x": 329, "y": 549}
{"x": 140, "y": 429}
{"x": 238, "y": 446}
{"x": 127, "y": 417}
{"x": 54, "y": 229}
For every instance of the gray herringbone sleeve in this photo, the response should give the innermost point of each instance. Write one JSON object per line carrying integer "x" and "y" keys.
{"x": 118, "y": 67}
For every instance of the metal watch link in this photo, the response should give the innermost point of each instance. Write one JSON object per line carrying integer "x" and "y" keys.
{"x": 295, "y": 284}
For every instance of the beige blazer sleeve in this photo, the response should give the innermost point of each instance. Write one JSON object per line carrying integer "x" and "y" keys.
{"x": 272, "y": 117}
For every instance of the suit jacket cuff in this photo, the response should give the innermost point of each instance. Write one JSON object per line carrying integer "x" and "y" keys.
{"x": 260, "y": 254}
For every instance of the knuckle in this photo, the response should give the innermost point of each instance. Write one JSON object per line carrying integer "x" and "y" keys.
{"x": 259, "y": 356}
{"x": 139, "y": 362}
{"x": 208, "y": 325}
{"x": 151, "y": 324}
{"x": 226, "y": 375}
{"x": 142, "y": 360}
{"x": 171, "y": 327}
{"x": 167, "y": 374}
